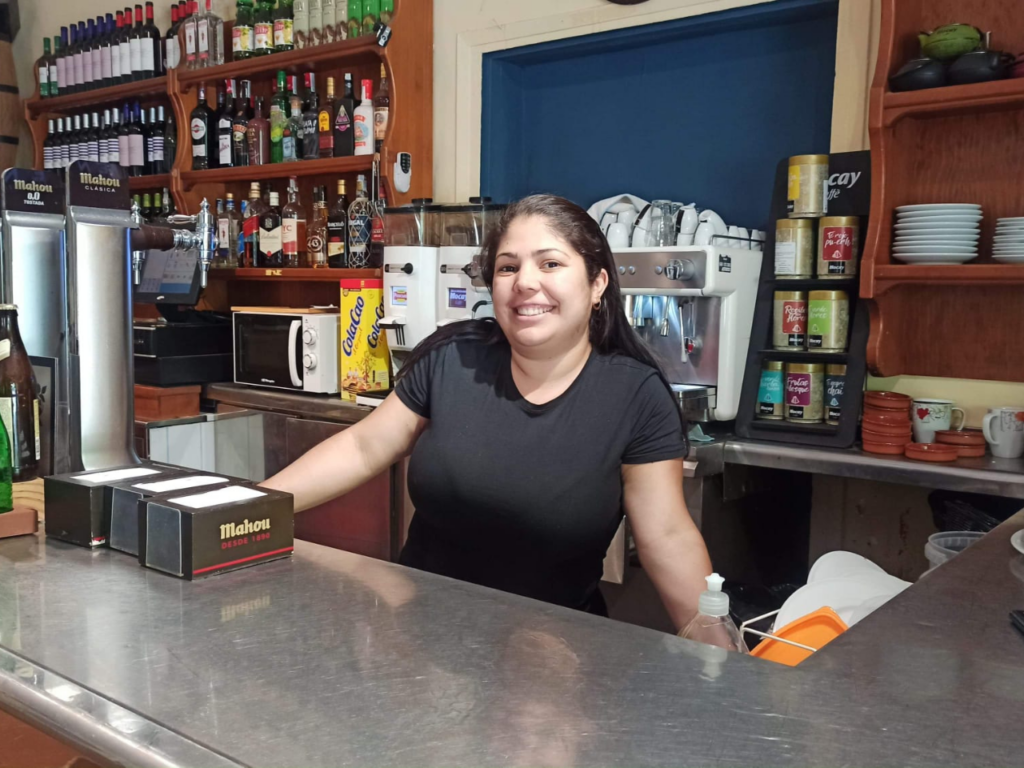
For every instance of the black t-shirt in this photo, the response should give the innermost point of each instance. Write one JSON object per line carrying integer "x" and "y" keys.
{"x": 521, "y": 497}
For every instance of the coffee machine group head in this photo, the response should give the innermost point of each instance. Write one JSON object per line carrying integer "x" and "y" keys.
{"x": 694, "y": 306}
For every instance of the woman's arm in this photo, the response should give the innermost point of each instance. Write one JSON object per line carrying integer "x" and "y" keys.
{"x": 348, "y": 459}
{"x": 671, "y": 548}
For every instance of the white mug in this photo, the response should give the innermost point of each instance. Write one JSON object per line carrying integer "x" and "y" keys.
{"x": 931, "y": 416}
{"x": 618, "y": 235}
{"x": 1004, "y": 430}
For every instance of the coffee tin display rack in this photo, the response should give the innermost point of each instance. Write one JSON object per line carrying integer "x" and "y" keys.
{"x": 845, "y": 199}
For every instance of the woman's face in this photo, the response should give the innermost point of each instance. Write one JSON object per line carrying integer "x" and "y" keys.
{"x": 542, "y": 296}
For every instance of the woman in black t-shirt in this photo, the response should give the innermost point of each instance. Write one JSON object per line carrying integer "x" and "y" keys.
{"x": 531, "y": 434}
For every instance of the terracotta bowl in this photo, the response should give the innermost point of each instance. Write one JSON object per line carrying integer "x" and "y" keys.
{"x": 888, "y": 401}
{"x": 970, "y": 451}
{"x": 879, "y": 432}
{"x": 888, "y": 418}
{"x": 972, "y": 438}
{"x": 884, "y": 450}
{"x": 931, "y": 452}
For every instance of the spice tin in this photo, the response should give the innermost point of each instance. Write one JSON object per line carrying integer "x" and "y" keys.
{"x": 794, "y": 249}
{"x": 838, "y": 245}
{"x": 771, "y": 392}
{"x": 835, "y": 385}
{"x": 790, "y": 320}
{"x": 805, "y": 392}
{"x": 828, "y": 321}
{"x": 808, "y": 186}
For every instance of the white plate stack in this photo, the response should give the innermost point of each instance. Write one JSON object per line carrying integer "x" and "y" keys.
{"x": 937, "y": 233}
{"x": 1008, "y": 244}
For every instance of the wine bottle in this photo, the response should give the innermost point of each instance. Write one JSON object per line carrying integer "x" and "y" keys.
{"x": 124, "y": 46}
{"x": 135, "y": 39}
{"x": 124, "y": 153}
{"x": 94, "y": 137}
{"x": 107, "y": 51}
{"x": 344, "y": 121}
{"x": 43, "y": 70}
{"x": 75, "y": 139}
{"x": 19, "y": 406}
{"x": 96, "y": 28}
{"x": 172, "y": 51}
{"x": 152, "y": 46}
{"x": 48, "y": 146}
{"x": 136, "y": 143}
{"x": 62, "y": 61}
{"x": 87, "y": 58}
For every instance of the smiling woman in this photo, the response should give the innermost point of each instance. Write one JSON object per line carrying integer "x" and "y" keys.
{"x": 533, "y": 433}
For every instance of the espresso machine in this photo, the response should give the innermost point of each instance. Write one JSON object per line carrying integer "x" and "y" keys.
{"x": 461, "y": 291}
{"x": 694, "y": 306}
{"x": 411, "y": 262}
{"x": 67, "y": 264}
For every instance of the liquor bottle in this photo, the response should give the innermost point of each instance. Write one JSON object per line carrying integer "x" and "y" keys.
{"x": 293, "y": 228}
{"x": 284, "y": 26}
{"x": 278, "y": 119}
{"x": 48, "y": 146}
{"x": 61, "y": 45}
{"x": 92, "y": 128}
{"x": 381, "y": 110}
{"x": 363, "y": 121}
{"x": 360, "y": 214}
{"x": 325, "y": 122}
{"x": 229, "y": 224}
{"x": 124, "y": 154}
{"x": 387, "y": 11}
{"x": 257, "y": 135}
{"x": 337, "y": 230}
{"x": 371, "y": 11}
{"x": 225, "y": 104}
{"x": 124, "y": 45}
{"x": 239, "y": 124}
{"x": 152, "y": 49}
{"x": 242, "y": 44}
{"x": 170, "y": 140}
{"x": 251, "y": 227}
{"x": 43, "y": 70}
{"x": 376, "y": 247}
{"x": 172, "y": 51}
{"x": 344, "y": 117}
{"x": 271, "y": 244}
{"x": 316, "y": 232}
{"x": 191, "y": 33}
{"x": 210, "y": 38}
{"x": 316, "y": 23}
{"x": 87, "y": 74}
{"x": 310, "y": 121}
{"x": 19, "y": 407}
{"x": 300, "y": 23}
{"x": 136, "y": 144}
{"x": 107, "y": 51}
{"x": 355, "y": 18}
{"x": 291, "y": 141}
{"x": 263, "y": 29}
{"x": 201, "y": 126}
{"x": 328, "y": 28}
{"x": 341, "y": 19}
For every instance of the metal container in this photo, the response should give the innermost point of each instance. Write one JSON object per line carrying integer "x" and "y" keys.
{"x": 838, "y": 246}
{"x": 771, "y": 391}
{"x": 808, "y": 186}
{"x": 794, "y": 249}
{"x": 828, "y": 321}
{"x": 790, "y": 320}
{"x": 805, "y": 393}
{"x": 697, "y": 402}
{"x": 835, "y": 385}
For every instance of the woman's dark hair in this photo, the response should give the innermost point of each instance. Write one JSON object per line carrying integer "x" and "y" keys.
{"x": 610, "y": 333}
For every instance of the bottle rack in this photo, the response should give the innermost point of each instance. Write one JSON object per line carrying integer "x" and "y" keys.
{"x": 847, "y": 202}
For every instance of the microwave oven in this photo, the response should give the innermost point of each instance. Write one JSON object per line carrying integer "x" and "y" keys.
{"x": 282, "y": 350}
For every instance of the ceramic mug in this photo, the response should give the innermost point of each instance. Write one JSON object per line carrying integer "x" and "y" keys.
{"x": 1004, "y": 430}
{"x": 931, "y": 416}
{"x": 618, "y": 235}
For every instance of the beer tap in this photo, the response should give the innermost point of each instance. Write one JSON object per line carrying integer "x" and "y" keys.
{"x": 147, "y": 237}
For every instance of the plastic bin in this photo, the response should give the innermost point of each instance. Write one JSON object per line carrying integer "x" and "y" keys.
{"x": 945, "y": 546}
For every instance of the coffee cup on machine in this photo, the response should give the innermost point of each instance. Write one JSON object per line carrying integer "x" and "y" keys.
{"x": 1004, "y": 431}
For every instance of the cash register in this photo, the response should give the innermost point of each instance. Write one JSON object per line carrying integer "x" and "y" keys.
{"x": 184, "y": 345}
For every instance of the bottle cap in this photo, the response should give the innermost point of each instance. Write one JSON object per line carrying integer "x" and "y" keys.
{"x": 274, "y": 199}
{"x": 714, "y": 602}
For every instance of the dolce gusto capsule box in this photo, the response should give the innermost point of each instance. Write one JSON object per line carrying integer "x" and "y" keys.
{"x": 193, "y": 534}
{"x": 364, "y": 360}
{"x": 78, "y": 503}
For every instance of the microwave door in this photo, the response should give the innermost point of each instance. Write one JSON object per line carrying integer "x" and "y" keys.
{"x": 293, "y": 351}
{"x": 267, "y": 351}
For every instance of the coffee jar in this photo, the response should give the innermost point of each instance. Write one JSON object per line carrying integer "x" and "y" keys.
{"x": 838, "y": 245}
{"x": 835, "y": 385}
{"x": 789, "y": 330}
{"x": 828, "y": 321}
{"x": 805, "y": 393}
{"x": 808, "y": 186}
{"x": 794, "y": 249}
{"x": 771, "y": 391}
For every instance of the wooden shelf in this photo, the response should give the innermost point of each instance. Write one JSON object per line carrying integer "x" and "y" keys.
{"x": 781, "y": 425}
{"x": 953, "y": 100}
{"x": 818, "y": 284}
{"x": 155, "y": 181}
{"x": 299, "y": 168}
{"x": 949, "y": 274}
{"x": 155, "y": 86}
{"x": 335, "y": 54}
{"x": 805, "y": 356}
{"x": 295, "y": 275}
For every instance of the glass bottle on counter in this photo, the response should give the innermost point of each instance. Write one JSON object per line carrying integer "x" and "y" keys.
{"x": 19, "y": 408}
{"x": 344, "y": 117}
{"x": 270, "y": 239}
{"x": 316, "y": 232}
{"x": 291, "y": 141}
{"x": 242, "y": 45}
{"x": 337, "y": 230}
{"x": 263, "y": 29}
{"x": 310, "y": 121}
{"x": 258, "y": 136}
{"x": 278, "y": 119}
{"x": 360, "y": 215}
{"x": 293, "y": 228}
{"x": 239, "y": 126}
{"x": 283, "y": 26}
{"x": 201, "y": 124}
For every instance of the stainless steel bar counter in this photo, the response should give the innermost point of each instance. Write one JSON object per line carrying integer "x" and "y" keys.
{"x": 334, "y": 659}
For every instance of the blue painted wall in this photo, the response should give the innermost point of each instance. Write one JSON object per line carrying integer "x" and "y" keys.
{"x": 695, "y": 110}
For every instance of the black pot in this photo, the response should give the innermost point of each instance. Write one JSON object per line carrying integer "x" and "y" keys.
{"x": 918, "y": 74}
{"x": 980, "y": 67}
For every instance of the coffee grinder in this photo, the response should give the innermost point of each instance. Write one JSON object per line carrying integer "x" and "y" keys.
{"x": 461, "y": 291}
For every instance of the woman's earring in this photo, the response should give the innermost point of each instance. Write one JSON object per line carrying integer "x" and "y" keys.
{"x": 598, "y": 305}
